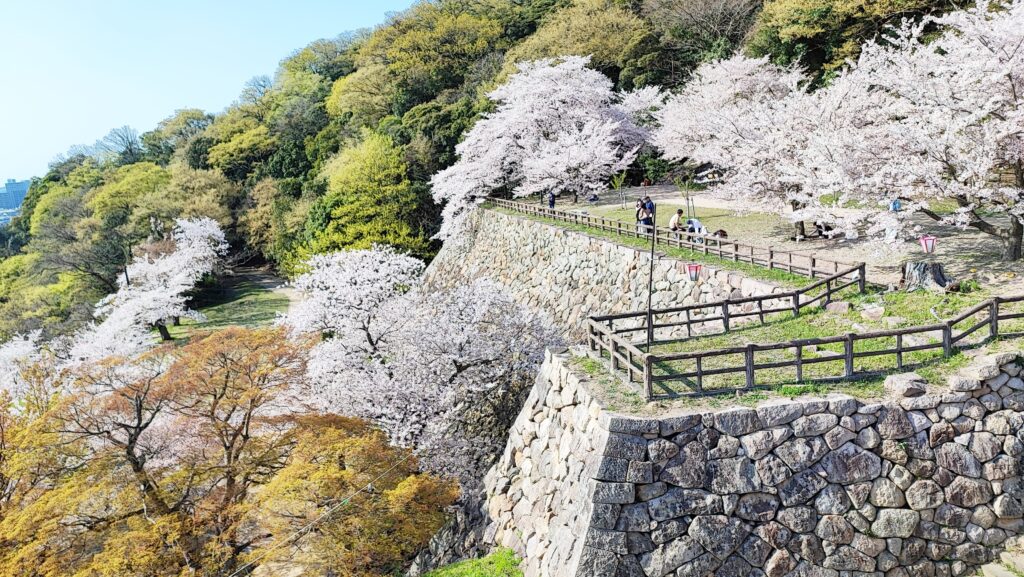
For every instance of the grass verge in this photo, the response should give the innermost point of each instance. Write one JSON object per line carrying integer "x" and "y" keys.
{"x": 501, "y": 563}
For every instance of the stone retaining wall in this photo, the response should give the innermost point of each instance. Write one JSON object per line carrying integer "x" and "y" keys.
{"x": 539, "y": 493}
{"x": 572, "y": 276}
{"x": 926, "y": 484}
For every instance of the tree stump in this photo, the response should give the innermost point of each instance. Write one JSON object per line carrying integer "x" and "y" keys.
{"x": 925, "y": 275}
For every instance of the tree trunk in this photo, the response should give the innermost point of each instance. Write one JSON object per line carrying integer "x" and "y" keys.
{"x": 799, "y": 230}
{"x": 164, "y": 333}
{"x": 1014, "y": 240}
{"x": 924, "y": 275}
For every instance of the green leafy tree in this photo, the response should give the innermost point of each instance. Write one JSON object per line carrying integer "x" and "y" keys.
{"x": 599, "y": 28}
{"x": 239, "y": 156}
{"x": 173, "y": 132}
{"x": 370, "y": 200}
{"x": 822, "y": 34}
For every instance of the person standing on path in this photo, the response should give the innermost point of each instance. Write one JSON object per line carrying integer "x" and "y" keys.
{"x": 551, "y": 200}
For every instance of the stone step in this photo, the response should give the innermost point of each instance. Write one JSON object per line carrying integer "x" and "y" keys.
{"x": 996, "y": 570}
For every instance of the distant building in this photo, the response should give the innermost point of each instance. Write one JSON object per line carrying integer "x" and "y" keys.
{"x": 13, "y": 193}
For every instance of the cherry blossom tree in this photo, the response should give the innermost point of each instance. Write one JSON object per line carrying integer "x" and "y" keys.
{"x": 916, "y": 118}
{"x": 153, "y": 291}
{"x": 342, "y": 291}
{"x": 558, "y": 126}
{"x": 16, "y": 355}
{"x": 441, "y": 371}
{"x": 733, "y": 113}
{"x": 954, "y": 124}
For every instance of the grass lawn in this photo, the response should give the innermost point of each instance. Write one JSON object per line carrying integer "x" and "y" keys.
{"x": 501, "y": 563}
{"x": 242, "y": 300}
{"x": 900, "y": 310}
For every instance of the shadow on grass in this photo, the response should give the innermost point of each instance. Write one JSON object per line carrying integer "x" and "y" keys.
{"x": 246, "y": 299}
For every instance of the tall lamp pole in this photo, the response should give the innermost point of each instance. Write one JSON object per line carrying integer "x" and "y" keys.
{"x": 650, "y": 279}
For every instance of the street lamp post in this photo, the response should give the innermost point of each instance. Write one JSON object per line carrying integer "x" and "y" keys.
{"x": 650, "y": 279}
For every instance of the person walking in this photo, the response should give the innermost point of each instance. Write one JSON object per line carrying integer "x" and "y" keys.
{"x": 551, "y": 200}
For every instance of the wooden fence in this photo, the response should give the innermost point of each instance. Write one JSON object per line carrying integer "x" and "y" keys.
{"x": 802, "y": 264}
{"x": 680, "y": 323}
{"x": 654, "y": 370}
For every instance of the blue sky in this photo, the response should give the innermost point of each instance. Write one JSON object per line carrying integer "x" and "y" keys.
{"x": 70, "y": 70}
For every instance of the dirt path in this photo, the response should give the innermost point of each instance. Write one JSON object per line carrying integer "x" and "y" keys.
{"x": 964, "y": 253}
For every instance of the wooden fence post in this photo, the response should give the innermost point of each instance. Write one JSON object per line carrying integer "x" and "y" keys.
{"x": 748, "y": 357}
{"x": 899, "y": 351}
{"x": 993, "y": 317}
{"x": 862, "y": 285}
{"x": 648, "y": 377}
{"x": 813, "y": 273}
{"x": 828, "y": 291}
{"x": 725, "y": 314}
{"x": 796, "y": 304}
{"x": 700, "y": 375}
{"x": 849, "y": 354}
{"x": 799, "y": 363}
{"x": 947, "y": 339}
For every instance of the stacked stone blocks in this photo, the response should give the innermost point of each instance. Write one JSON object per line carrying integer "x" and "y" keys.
{"x": 924, "y": 484}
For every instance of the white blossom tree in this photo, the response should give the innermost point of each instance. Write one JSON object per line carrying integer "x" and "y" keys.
{"x": 153, "y": 292}
{"x": 733, "y": 113}
{"x": 445, "y": 370}
{"x": 917, "y": 119}
{"x": 558, "y": 126}
{"x": 953, "y": 127}
{"x": 342, "y": 291}
{"x": 16, "y": 355}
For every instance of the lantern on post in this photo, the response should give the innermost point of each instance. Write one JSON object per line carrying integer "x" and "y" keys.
{"x": 693, "y": 270}
{"x": 928, "y": 243}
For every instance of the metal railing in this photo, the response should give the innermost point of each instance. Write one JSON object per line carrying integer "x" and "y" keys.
{"x": 801, "y": 264}
{"x": 652, "y": 369}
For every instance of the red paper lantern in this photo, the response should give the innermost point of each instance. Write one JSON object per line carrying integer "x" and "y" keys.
{"x": 694, "y": 271}
{"x": 928, "y": 243}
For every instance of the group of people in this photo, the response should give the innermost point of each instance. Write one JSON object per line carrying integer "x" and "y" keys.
{"x": 644, "y": 215}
